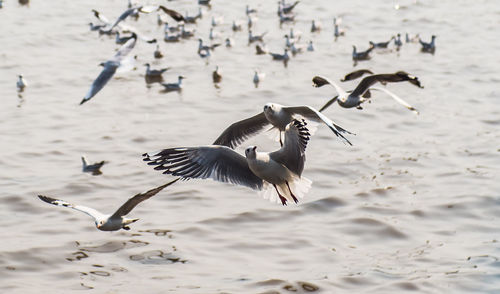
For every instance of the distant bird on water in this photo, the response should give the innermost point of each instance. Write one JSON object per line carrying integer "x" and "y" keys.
{"x": 117, "y": 220}
{"x": 158, "y": 54}
{"x": 381, "y": 44}
{"x": 363, "y": 55}
{"x": 110, "y": 68}
{"x": 315, "y": 27}
{"x": 154, "y": 72}
{"x": 21, "y": 83}
{"x": 355, "y": 99}
{"x": 174, "y": 86}
{"x": 258, "y": 77}
{"x": 279, "y": 171}
{"x": 428, "y": 47}
{"x": 216, "y": 76}
{"x": 95, "y": 168}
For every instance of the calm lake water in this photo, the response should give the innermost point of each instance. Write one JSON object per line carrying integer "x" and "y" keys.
{"x": 413, "y": 206}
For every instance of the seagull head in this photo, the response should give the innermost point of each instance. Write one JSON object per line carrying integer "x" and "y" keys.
{"x": 250, "y": 152}
{"x": 99, "y": 224}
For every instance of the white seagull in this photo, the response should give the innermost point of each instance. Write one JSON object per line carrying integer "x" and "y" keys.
{"x": 117, "y": 220}
{"x": 110, "y": 68}
{"x": 281, "y": 169}
{"x": 278, "y": 117}
{"x": 355, "y": 98}
{"x": 174, "y": 86}
{"x": 21, "y": 83}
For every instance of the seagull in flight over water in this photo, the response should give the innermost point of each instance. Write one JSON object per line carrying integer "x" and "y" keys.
{"x": 117, "y": 220}
{"x": 109, "y": 68}
{"x": 281, "y": 169}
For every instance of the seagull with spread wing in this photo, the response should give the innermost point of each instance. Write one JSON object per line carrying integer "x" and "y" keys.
{"x": 281, "y": 169}
{"x": 355, "y": 98}
{"x": 117, "y": 220}
{"x": 110, "y": 67}
{"x": 278, "y": 117}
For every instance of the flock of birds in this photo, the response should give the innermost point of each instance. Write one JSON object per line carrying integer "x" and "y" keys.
{"x": 278, "y": 174}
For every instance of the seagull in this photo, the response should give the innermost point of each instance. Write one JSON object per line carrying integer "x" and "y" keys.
{"x": 428, "y": 47}
{"x": 110, "y": 68}
{"x": 229, "y": 42}
{"x": 310, "y": 47}
{"x": 249, "y": 10}
{"x": 257, "y": 77}
{"x": 355, "y": 99}
{"x": 186, "y": 33}
{"x": 356, "y": 74}
{"x": 94, "y": 27}
{"x": 158, "y": 53}
{"x": 315, "y": 27}
{"x": 117, "y": 220}
{"x": 236, "y": 26}
{"x": 397, "y": 42}
{"x": 381, "y": 44}
{"x": 278, "y": 117}
{"x": 364, "y": 55}
{"x": 21, "y": 83}
{"x": 217, "y": 20}
{"x": 95, "y": 168}
{"x": 284, "y": 57}
{"x": 286, "y": 17}
{"x": 204, "y": 50}
{"x": 213, "y": 35}
{"x": 286, "y": 8}
{"x": 171, "y": 29}
{"x": 260, "y": 49}
{"x": 337, "y": 32}
{"x": 146, "y": 9}
{"x": 254, "y": 38}
{"x": 193, "y": 19}
{"x": 154, "y": 72}
{"x": 281, "y": 169}
{"x": 174, "y": 86}
{"x": 216, "y": 77}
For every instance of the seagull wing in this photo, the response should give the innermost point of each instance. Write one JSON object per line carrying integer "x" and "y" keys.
{"x": 103, "y": 78}
{"x": 125, "y": 49}
{"x": 217, "y": 162}
{"x": 310, "y": 113}
{"x": 366, "y": 83}
{"x": 132, "y": 202}
{"x": 330, "y": 102}
{"x": 292, "y": 154}
{"x": 238, "y": 132}
{"x": 319, "y": 81}
{"x": 395, "y": 97}
{"x": 90, "y": 211}
{"x": 101, "y": 17}
{"x": 356, "y": 74}
{"x": 172, "y": 13}
{"x": 124, "y": 15}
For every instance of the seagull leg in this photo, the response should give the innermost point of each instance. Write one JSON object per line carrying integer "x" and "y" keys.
{"x": 281, "y": 142}
{"x": 293, "y": 196}
{"x": 283, "y": 199}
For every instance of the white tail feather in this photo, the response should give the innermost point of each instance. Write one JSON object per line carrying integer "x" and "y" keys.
{"x": 299, "y": 186}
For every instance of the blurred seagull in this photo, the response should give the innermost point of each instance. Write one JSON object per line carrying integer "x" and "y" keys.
{"x": 193, "y": 19}
{"x": 21, "y": 83}
{"x": 281, "y": 169}
{"x": 428, "y": 47}
{"x": 286, "y": 8}
{"x": 381, "y": 44}
{"x": 94, "y": 27}
{"x": 363, "y": 55}
{"x": 249, "y": 10}
{"x": 355, "y": 99}
{"x": 229, "y": 42}
{"x": 174, "y": 86}
{"x": 158, "y": 53}
{"x": 236, "y": 26}
{"x": 397, "y": 42}
{"x": 254, "y": 38}
{"x": 315, "y": 27}
{"x": 117, "y": 220}
{"x": 310, "y": 47}
{"x": 122, "y": 40}
{"x": 356, "y": 74}
{"x": 110, "y": 68}
{"x": 216, "y": 77}
{"x": 337, "y": 32}
{"x": 278, "y": 117}
{"x": 146, "y": 9}
{"x": 257, "y": 77}
{"x": 284, "y": 57}
{"x": 154, "y": 72}
{"x": 260, "y": 49}
{"x": 95, "y": 168}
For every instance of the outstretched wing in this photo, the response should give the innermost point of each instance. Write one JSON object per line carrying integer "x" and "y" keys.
{"x": 356, "y": 74}
{"x": 327, "y": 104}
{"x": 292, "y": 154}
{"x": 310, "y": 113}
{"x": 99, "y": 83}
{"x": 395, "y": 97}
{"x": 217, "y": 162}
{"x": 239, "y": 131}
{"x": 90, "y": 211}
{"x": 132, "y": 202}
{"x": 125, "y": 49}
{"x": 319, "y": 81}
{"x": 172, "y": 13}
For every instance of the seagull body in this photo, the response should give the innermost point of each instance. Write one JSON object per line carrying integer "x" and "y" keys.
{"x": 257, "y": 77}
{"x": 310, "y": 47}
{"x": 337, "y": 32}
{"x": 21, "y": 83}
{"x": 110, "y": 68}
{"x": 249, "y": 10}
{"x": 355, "y": 98}
{"x": 171, "y": 29}
{"x": 229, "y": 42}
{"x": 174, "y": 86}
{"x": 284, "y": 17}
{"x": 94, "y": 27}
{"x": 193, "y": 19}
{"x": 282, "y": 57}
{"x": 254, "y": 38}
{"x": 363, "y": 55}
{"x": 154, "y": 72}
{"x": 397, "y": 42}
{"x": 172, "y": 38}
{"x": 122, "y": 40}
{"x": 278, "y": 117}
{"x": 381, "y": 44}
{"x": 281, "y": 169}
{"x": 186, "y": 33}
{"x": 428, "y": 47}
{"x": 286, "y": 8}
{"x": 95, "y": 168}
{"x": 217, "y": 21}
{"x": 117, "y": 220}
{"x": 236, "y": 26}
{"x": 204, "y": 50}
{"x": 216, "y": 77}
{"x": 213, "y": 35}
{"x": 315, "y": 27}
{"x": 260, "y": 49}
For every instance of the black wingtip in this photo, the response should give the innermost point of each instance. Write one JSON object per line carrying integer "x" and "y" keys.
{"x": 46, "y": 199}
{"x": 84, "y": 100}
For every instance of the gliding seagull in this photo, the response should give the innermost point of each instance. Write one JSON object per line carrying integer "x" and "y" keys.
{"x": 117, "y": 220}
{"x": 259, "y": 170}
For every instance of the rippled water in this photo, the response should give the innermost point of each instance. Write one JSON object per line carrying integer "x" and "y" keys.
{"x": 413, "y": 206}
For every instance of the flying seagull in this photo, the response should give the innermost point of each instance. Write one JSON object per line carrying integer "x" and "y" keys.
{"x": 278, "y": 117}
{"x": 355, "y": 99}
{"x": 281, "y": 169}
{"x": 109, "y": 68}
{"x": 117, "y": 220}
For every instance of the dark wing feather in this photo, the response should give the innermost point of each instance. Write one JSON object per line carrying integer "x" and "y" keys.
{"x": 217, "y": 162}
{"x": 172, "y": 13}
{"x": 238, "y": 132}
{"x": 365, "y": 83}
{"x": 356, "y": 74}
{"x": 103, "y": 78}
{"x": 132, "y": 202}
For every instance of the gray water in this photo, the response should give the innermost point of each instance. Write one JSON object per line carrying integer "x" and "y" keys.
{"x": 413, "y": 206}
